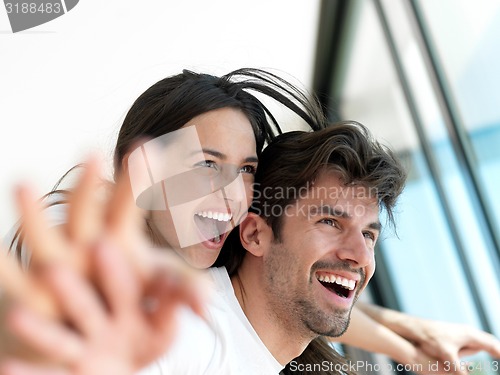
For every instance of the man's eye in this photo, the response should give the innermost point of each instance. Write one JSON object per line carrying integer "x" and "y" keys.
{"x": 329, "y": 222}
{"x": 370, "y": 236}
{"x": 251, "y": 169}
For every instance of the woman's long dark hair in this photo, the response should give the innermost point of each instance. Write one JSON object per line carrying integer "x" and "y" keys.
{"x": 173, "y": 101}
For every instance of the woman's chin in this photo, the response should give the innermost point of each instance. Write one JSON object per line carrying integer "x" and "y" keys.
{"x": 201, "y": 256}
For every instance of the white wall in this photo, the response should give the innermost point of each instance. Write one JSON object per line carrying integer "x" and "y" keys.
{"x": 66, "y": 85}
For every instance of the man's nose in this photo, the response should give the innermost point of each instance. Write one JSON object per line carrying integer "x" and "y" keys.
{"x": 355, "y": 250}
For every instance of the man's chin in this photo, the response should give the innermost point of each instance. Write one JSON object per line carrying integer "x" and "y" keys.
{"x": 336, "y": 332}
{"x": 335, "y": 326}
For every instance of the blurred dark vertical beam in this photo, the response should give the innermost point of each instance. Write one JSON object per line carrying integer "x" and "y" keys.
{"x": 332, "y": 22}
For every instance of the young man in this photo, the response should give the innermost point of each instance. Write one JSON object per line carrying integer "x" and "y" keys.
{"x": 308, "y": 254}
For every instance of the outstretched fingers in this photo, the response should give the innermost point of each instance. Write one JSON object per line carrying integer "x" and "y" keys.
{"x": 176, "y": 283}
{"x": 17, "y": 367}
{"x": 126, "y": 223}
{"x": 50, "y": 340}
{"x": 488, "y": 342}
{"x": 20, "y": 287}
{"x": 116, "y": 279}
{"x": 86, "y": 206}
{"x": 45, "y": 243}
{"x": 79, "y": 302}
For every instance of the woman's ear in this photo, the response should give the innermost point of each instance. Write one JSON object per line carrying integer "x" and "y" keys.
{"x": 255, "y": 234}
{"x": 124, "y": 162}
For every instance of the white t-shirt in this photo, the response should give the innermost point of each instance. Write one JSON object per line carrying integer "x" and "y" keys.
{"x": 226, "y": 344}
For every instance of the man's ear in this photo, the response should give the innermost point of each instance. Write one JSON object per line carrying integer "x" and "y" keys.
{"x": 255, "y": 234}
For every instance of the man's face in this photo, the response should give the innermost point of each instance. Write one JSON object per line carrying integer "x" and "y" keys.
{"x": 325, "y": 257}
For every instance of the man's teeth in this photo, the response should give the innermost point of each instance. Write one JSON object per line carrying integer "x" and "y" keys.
{"x": 220, "y": 216}
{"x": 348, "y": 284}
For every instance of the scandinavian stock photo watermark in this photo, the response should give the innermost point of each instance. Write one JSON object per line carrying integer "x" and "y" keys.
{"x": 310, "y": 200}
{"x": 431, "y": 367}
{"x": 26, "y": 14}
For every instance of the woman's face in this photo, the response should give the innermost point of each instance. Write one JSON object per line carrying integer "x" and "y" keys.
{"x": 208, "y": 187}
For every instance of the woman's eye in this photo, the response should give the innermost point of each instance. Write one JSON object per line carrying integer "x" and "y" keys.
{"x": 251, "y": 169}
{"x": 207, "y": 164}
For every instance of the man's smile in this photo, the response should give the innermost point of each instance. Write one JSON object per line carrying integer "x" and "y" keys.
{"x": 342, "y": 286}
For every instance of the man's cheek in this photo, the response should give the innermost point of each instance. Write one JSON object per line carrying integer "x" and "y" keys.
{"x": 370, "y": 272}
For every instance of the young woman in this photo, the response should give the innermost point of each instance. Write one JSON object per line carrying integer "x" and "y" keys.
{"x": 231, "y": 125}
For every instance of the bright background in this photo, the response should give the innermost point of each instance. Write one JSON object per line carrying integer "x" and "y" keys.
{"x": 66, "y": 85}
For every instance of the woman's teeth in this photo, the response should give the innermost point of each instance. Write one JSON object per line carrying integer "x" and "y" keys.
{"x": 213, "y": 224}
{"x": 220, "y": 216}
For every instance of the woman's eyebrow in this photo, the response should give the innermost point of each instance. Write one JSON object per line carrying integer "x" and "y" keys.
{"x": 252, "y": 159}
{"x": 221, "y": 156}
{"x": 209, "y": 151}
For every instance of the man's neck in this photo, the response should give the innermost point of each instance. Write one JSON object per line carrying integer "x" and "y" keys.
{"x": 282, "y": 340}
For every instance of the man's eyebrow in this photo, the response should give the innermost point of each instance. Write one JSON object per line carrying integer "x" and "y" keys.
{"x": 376, "y": 226}
{"x": 338, "y": 212}
{"x": 329, "y": 210}
{"x": 221, "y": 156}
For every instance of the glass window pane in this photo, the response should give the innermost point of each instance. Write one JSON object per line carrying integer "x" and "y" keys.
{"x": 423, "y": 263}
{"x": 467, "y": 37}
{"x": 467, "y": 40}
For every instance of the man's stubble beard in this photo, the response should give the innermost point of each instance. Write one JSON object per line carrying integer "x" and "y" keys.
{"x": 291, "y": 308}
